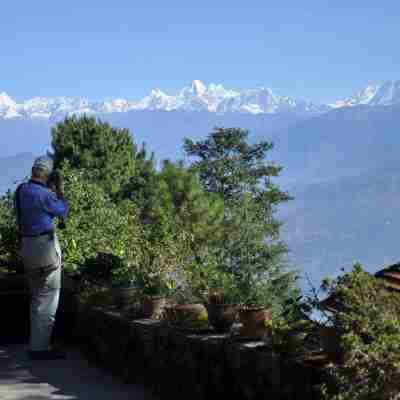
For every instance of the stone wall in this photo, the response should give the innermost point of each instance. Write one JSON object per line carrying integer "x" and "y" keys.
{"x": 15, "y": 310}
{"x": 174, "y": 363}
{"x": 181, "y": 365}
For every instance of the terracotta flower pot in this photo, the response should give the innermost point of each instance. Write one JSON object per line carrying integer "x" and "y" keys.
{"x": 153, "y": 306}
{"x": 124, "y": 296}
{"x": 190, "y": 315}
{"x": 221, "y": 316}
{"x": 169, "y": 313}
{"x": 71, "y": 283}
{"x": 253, "y": 321}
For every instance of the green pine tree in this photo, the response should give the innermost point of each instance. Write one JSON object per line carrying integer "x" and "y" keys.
{"x": 107, "y": 154}
{"x": 251, "y": 247}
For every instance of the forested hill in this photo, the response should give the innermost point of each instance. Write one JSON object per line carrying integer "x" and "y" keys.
{"x": 332, "y": 224}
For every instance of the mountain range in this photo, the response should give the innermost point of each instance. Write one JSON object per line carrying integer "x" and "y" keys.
{"x": 341, "y": 160}
{"x": 197, "y": 97}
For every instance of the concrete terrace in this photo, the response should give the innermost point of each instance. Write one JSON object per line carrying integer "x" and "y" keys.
{"x": 71, "y": 379}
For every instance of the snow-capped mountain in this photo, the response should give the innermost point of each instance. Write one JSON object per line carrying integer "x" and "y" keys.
{"x": 197, "y": 97}
{"x": 58, "y": 106}
{"x": 8, "y": 107}
{"x": 375, "y": 94}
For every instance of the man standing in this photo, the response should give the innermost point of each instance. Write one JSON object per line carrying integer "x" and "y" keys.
{"x": 37, "y": 206}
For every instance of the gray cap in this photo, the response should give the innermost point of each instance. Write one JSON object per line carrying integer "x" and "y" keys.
{"x": 44, "y": 163}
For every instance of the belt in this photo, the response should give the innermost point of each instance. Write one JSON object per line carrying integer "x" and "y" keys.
{"x": 39, "y": 234}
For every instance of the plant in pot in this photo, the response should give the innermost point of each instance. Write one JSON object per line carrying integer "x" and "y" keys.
{"x": 188, "y": 311}
{"x": 290, "y": 337}
{"x": 254, "y": 310}
{"x": 222, "y": 300}
{"x": 123, "y": 283}
{"x": 155, "y": 287}
{"x": 205, "y": 294}
{"x": 155, "y": 276}
{"x": 111, "y": 272}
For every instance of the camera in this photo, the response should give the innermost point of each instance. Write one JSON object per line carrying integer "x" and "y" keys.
{"x": 55, "y": 183}
{"x": 54, "y": 179}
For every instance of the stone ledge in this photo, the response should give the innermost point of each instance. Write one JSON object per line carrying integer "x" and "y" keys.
{"x": 183, "y": 364}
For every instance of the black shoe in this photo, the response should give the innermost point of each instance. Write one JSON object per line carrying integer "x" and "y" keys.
{"x": 47, "y": 355}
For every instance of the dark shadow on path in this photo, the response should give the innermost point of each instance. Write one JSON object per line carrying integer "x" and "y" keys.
{"x": 71, "y": 379}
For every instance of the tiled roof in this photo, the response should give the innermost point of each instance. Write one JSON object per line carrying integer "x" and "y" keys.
{"x": 391, "y": 275}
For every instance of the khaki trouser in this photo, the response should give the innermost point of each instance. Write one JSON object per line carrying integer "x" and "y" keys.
{"x": 45, "y": 283}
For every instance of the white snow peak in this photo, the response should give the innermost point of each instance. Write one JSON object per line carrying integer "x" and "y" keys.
{"x": 375, "y": 94}
{"x": 198, "y": 88}
{"x": 197, "y": 97}
{"x": 8, "y": 107}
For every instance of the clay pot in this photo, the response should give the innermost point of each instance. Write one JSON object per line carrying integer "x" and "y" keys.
{"x": 153, "y": 306}
{"x": 253, "y": 321}
{"x": 221, "y": 316}
{"x": 124, "y": 296}
{"x": 190, "y": 315}
{"x": 71, "y": 283}
{"x": 169, "y": 313}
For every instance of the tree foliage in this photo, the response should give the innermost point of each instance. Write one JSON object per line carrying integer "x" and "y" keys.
{"x": 9, "y": 244}
{"x": 191, "y": 209}
{"x": 106, "y": 153}
{"x": 230, "y": 166}
{"x": 368, "y": 321}
{"x": 251, "y": 248}
{"x": 213, "y": 222}
{"x": 96, "y": 223}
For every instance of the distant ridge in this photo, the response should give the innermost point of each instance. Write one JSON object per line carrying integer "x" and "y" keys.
{"x": 197, "y": 97}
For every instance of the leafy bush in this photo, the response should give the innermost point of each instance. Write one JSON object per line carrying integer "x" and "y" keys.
{"x": 289, "y": 337}
{"x": 192, "y": 231}
{"x": 105, "y": 153}
{"x": 368, "y": 319}
{"x": 108, "y": 268}
{"x": 9, "y": 234}
{"x": 159, "y": 264}
{"x": 96, "y": 223}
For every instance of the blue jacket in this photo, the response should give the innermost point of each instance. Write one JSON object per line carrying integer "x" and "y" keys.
{"x": 38, "y": 206}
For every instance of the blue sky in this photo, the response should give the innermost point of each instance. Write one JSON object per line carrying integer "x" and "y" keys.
{"x": 321, "y": 50}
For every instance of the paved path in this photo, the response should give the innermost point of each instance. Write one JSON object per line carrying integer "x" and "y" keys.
{"x": 72, "y": 379}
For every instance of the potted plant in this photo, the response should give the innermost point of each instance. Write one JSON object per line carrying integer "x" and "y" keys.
{"x": 222, "y": 300}
{"x": 155, "y": 275}
{"x": 222, "y": 313}
{"x": 155, "y": 286}
{"x": 288, "y": 336}
{"x": 108, "y": 269}
{"x": 191, "y": 315}
{"x": 187, "y": 309}
{"x": 124, "y": 286}
{"x": 123, "y": 281}
{"x": 255, "y": 310}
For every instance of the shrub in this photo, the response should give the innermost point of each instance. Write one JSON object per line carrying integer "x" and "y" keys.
{"x": 97, "y": 224}
{"x": 105, "y": 153}
{"x": 9, "y": 234}
{"x": 368, "y": 320}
